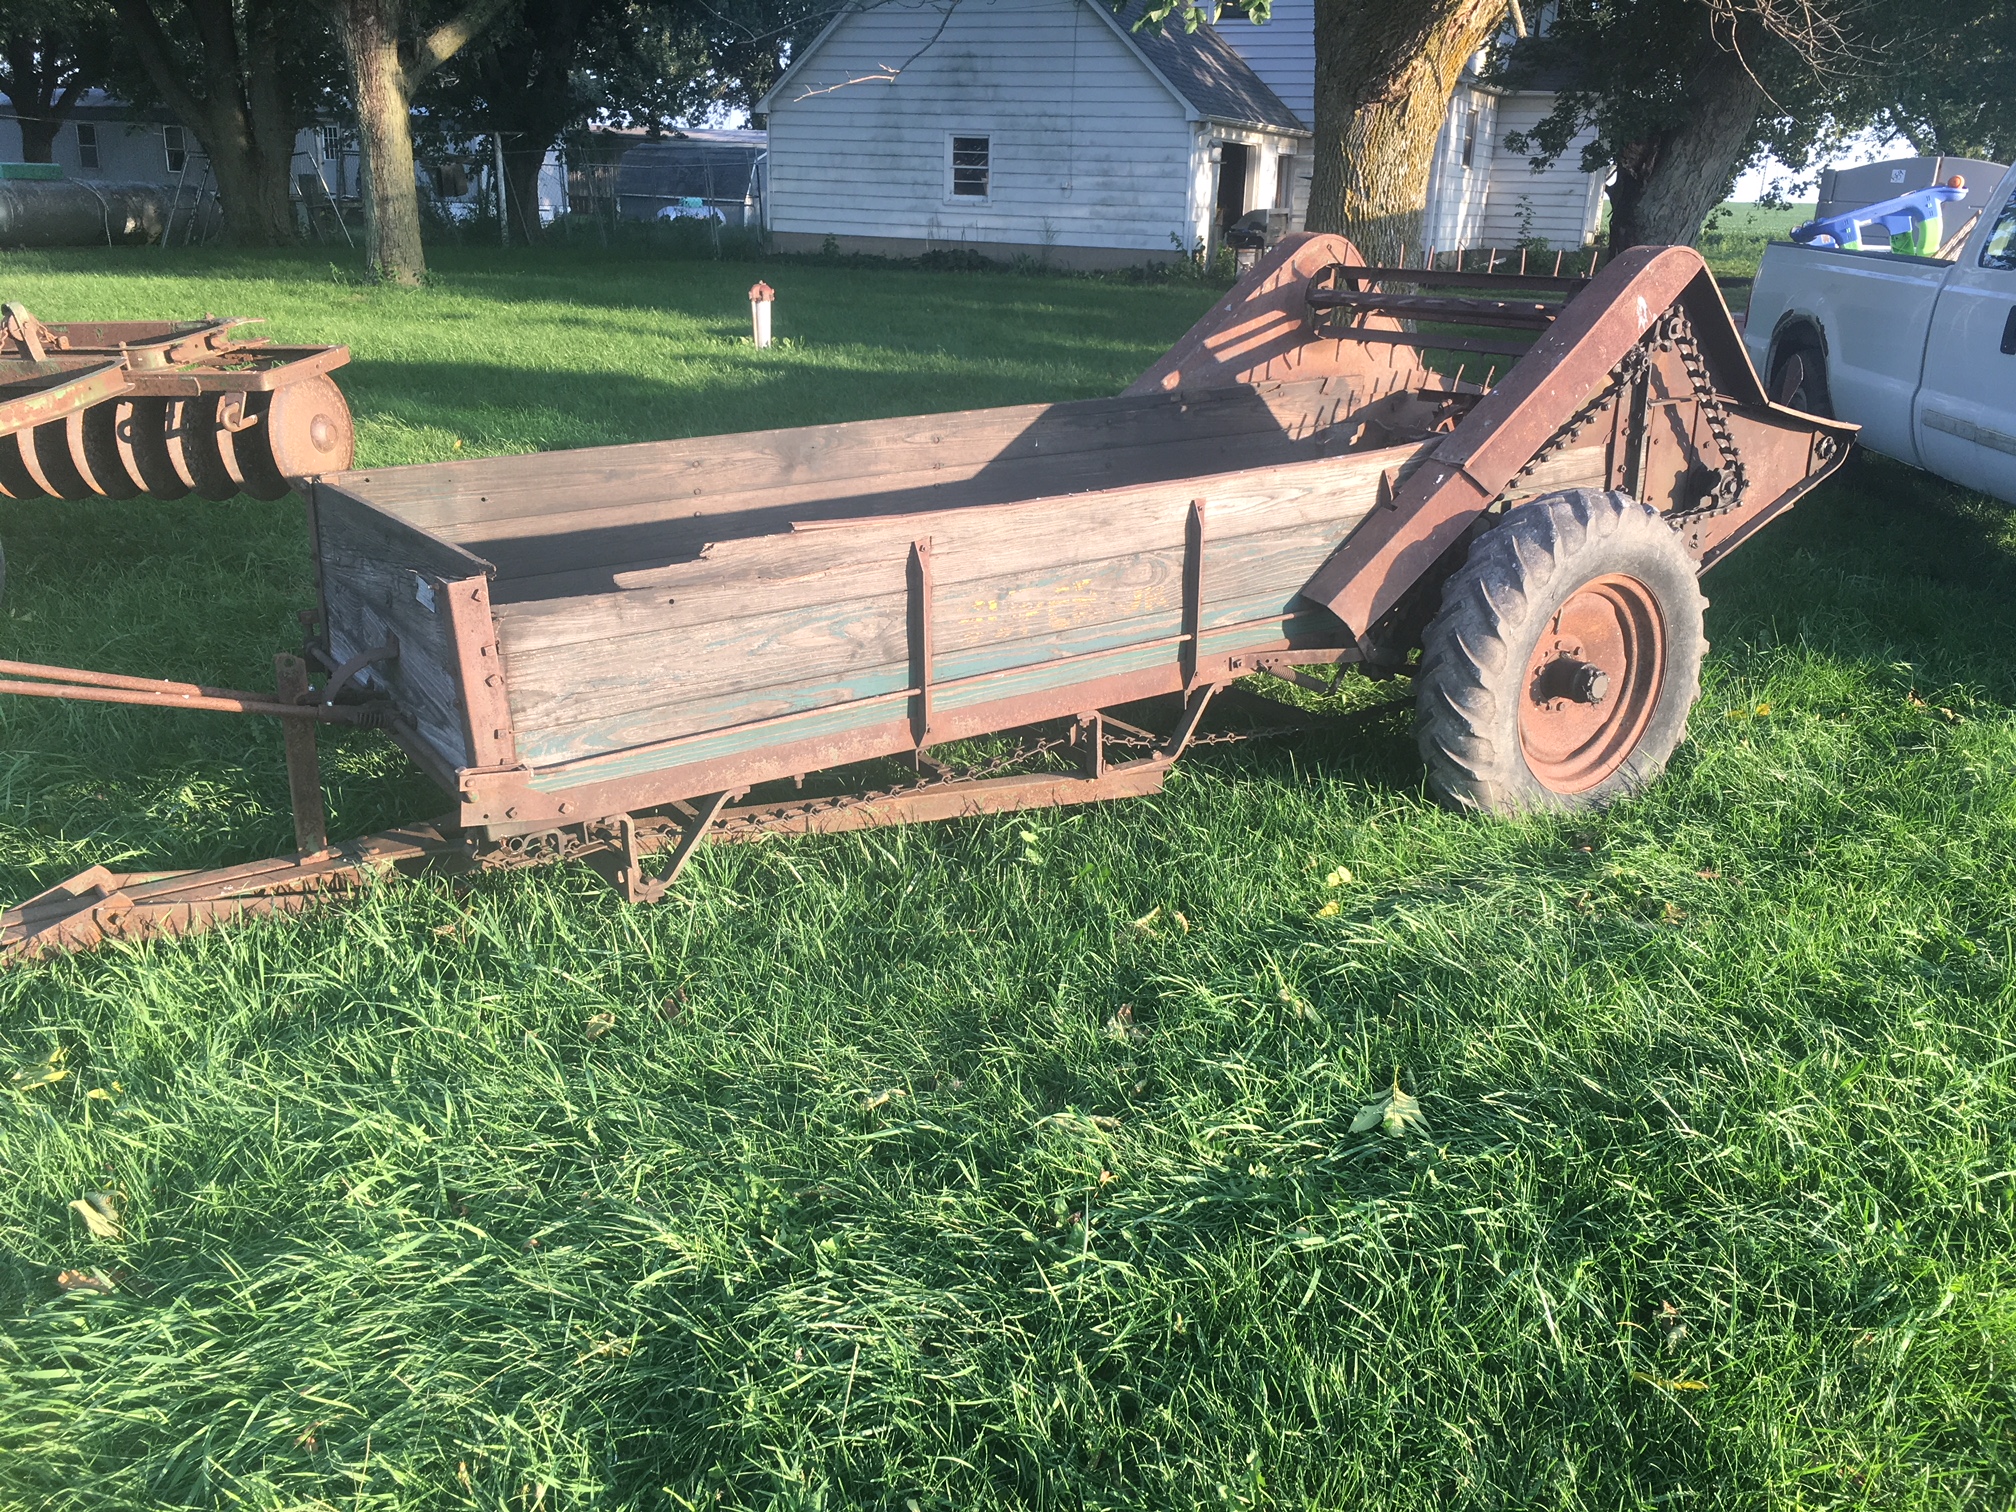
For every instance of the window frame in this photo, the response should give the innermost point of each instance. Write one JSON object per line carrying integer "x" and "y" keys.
{"x": 2004, "y": 225}
{"x": 87, "y": 145}
{"x": 174, "y": 144}
{"x": 952, "y": 194}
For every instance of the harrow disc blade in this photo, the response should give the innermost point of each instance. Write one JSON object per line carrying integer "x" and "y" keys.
{"x": 15, "y": 479}
{"x": 303, "y": 429}
{"x": 192, "y": 431}
{"x": 107, "y": 460}
{"x": 46, "y": 455}
{"x": 146, "y": 437}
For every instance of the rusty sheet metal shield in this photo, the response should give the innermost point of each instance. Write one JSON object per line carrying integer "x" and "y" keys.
{"x": 1396, "y": 545}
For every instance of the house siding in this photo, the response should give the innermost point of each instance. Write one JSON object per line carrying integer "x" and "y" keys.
{"x": 1560, "y": 205}
{"x": 1087, "y": 147}
{"x": 128, "y": 151}
{"x": 1282, "y": 52}
{"x": 1484, "y": 205}
{"x": 1458, "y": 194}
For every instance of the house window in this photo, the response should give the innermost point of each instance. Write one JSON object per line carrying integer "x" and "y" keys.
{"x": 175, "y": 143}
{"x": 1470, "y": 137}
{"x": 1284, "y": 181}
{"x": 332, "y": 142}
{"x": 87, "y": 145}
{"x": 971, "y": 168}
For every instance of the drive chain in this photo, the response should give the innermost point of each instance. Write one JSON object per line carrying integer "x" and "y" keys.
{"x": 1675, "y": 333}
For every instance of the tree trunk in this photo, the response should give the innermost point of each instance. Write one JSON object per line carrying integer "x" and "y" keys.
{"x": 253, "y": 193}
{"x": 242, "y": 121}
{"x": 385, "y": 131}
{"x": 1665, "y": 187}
{"x": 38, "y": 139}
{"x": 384, "y": 73}
{"x": 1385, "y": 70}
{"x": 40, "y": 98}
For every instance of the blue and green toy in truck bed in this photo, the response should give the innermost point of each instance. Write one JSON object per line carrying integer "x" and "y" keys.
{"x": 1914, "y": 221}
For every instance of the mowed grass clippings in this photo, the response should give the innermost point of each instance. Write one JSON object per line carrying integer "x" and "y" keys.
{"x": 1011, "y": 1162}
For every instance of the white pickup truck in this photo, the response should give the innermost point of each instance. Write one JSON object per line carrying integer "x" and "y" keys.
{"x": 1918, "y": 351}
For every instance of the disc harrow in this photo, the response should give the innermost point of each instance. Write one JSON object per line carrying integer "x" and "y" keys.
{"x": 117, "y": 409}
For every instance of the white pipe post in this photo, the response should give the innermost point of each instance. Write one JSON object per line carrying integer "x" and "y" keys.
{"x": 760, "y": 299}
{"x": 503, "y": 223}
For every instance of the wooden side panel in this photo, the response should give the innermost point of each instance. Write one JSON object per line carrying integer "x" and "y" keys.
{"x": 382, "y": 578}
{"x": 568, "y": 524}
{"x": 819, "y": 617}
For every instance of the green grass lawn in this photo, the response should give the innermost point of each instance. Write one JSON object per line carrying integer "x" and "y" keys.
{"x": 912, "y": 1169}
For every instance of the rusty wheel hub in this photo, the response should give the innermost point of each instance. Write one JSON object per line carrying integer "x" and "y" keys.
{"x": 1592, "y": 683}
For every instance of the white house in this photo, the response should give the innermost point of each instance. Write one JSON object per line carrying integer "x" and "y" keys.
{"x": 1018, "y": 126}
{"x": 1051, "y": 126}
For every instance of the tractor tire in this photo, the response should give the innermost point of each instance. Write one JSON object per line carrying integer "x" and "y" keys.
{"x": 1560, "y": 671}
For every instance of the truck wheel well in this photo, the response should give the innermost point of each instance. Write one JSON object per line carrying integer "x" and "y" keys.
{"x": 1794, "y": 329}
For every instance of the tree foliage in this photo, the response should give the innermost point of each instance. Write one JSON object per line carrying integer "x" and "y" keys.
{"x": 549, "y": 69}
{"x": 243, "y": 76}
{"x": 51, "y": 52}
{"x": 1681, "y": 96}
{"x": 1944, "y": 79}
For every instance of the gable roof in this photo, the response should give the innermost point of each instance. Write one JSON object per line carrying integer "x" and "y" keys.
{"x": 1204, "y": 69}
{"x": 1201, "y": 69}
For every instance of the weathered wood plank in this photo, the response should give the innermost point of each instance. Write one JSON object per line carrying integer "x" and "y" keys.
{"x": 1024, "y": 617}
{"x": 830, "y": 563}
{"x": 365, "y": 599}
{"x": 387, "y": 535}
{"x": 1047, "y": 691}
{"x": 710, "y": 474}
{"x": 595, "y": 545}
{"x": 580, "y": 718}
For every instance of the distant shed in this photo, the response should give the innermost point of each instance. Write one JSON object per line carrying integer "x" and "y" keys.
{"x": 722, "y": 169}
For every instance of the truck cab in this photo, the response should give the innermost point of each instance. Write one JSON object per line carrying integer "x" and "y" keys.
{"x": 1920, "y": 351}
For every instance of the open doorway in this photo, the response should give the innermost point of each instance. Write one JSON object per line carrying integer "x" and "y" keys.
{"x": 1234, "y": 161}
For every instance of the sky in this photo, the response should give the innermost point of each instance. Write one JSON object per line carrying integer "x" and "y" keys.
{"x": 1869, "y": 147}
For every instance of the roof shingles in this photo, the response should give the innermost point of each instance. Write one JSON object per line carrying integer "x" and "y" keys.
{"x": 1203, "y": 67}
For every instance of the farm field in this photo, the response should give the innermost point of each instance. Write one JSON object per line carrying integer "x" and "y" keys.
{"x": 1008, "y": 1163}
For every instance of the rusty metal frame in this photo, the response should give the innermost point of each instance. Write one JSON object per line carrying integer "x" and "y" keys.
{"x": 1570, "y": 362}
{"x": 99, "y": 905}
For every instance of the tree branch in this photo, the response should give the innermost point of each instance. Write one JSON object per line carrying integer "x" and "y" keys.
{"x": 885, "y": 74}
{"x": 157, "y": 56}
{"x": 449, "y": 38}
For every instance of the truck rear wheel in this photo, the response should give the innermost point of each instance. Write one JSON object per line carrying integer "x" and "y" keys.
{"x": 1799, "y": 377}
{"x": 1565, "y": 659}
